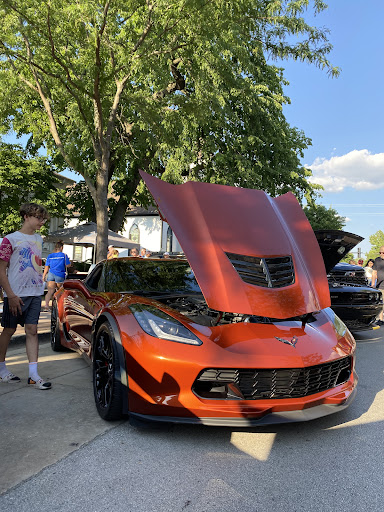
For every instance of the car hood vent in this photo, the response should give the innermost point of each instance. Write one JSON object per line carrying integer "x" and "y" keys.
{"x": 266, "y": 272}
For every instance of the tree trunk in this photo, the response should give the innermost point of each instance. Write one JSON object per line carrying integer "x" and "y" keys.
{"x": 101, "y": 205}
{"x": 118, "y": 218}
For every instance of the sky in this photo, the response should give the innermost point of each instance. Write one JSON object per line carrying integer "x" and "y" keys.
{"x": 344, "y": 116}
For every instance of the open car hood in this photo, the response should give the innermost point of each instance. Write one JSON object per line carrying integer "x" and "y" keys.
{"x": 250, "y": 253}
{"x": 335, "y": 244}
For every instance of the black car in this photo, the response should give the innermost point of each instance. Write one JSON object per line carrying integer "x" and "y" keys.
{"x": 356, "y": 303}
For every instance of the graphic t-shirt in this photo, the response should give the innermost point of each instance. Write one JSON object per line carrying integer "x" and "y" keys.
{"x": 23, "y": 252}
{"x": 57, "y": 262}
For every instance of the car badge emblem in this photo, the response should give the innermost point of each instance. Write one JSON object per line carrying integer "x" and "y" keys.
{"x": 293, "y": 341}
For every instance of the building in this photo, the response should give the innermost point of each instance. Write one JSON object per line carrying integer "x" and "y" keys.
{"x": 145, "y": 226}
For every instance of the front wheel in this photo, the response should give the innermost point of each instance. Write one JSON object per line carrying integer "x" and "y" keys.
{"x": 55, "y": 330}
{"x": 107, "y": 389}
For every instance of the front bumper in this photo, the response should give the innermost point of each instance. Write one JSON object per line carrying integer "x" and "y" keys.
{"x": 358, "y": 317}
{"x": 162, "y": 375}
{"x": 271, "y": 418}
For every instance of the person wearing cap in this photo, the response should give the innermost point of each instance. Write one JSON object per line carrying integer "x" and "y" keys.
{"x": 166, "y": 255}
{"x": 110, "y": 252}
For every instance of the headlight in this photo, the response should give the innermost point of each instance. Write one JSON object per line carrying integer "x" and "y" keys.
{"x": 160, "y": 325}
{"x": 339, "y": 325}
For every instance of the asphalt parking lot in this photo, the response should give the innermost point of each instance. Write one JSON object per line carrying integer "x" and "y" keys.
{"x": 56, "y": 453}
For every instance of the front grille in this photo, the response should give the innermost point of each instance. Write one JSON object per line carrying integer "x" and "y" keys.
{"x": 265, "y": 272}
{"x": 275, "y": 383}
{"x": 353, "y": 277}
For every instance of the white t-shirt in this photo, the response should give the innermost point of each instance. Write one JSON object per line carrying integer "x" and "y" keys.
{"x": 23, "y": 252}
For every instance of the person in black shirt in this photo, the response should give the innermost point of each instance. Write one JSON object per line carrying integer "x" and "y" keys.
{"x": 378, "y": 277}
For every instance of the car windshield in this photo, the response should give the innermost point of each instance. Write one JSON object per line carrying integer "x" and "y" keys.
{"x": 145, "y": 276}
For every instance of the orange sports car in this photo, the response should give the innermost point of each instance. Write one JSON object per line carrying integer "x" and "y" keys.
{"x": 238, "y": 333}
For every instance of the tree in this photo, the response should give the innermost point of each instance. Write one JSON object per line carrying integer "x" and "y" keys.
{"x": 26, "y": 179}
{"x": 377, "y": 241}
{"x": 347, "y": 257}
{"x": 321, "y": 217}
{"x": 169, "y": 87}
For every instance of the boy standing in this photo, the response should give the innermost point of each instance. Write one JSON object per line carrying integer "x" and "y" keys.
{"x": 20, "y": 253}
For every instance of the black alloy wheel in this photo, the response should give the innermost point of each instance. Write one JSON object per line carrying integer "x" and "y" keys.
{"x": 55, "y": 330}
{"x": 106, "y": 387}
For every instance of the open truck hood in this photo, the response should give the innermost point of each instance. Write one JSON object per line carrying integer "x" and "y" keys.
{"x": 250, "y": 253}
{"x": 335, "y": 244}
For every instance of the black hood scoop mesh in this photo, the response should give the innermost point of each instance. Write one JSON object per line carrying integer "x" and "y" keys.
{"x": 265, "y": 272}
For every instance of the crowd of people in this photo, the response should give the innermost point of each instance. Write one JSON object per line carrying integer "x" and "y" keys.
{"x": 133, "y": 253}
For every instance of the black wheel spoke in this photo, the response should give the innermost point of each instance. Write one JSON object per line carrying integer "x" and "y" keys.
{"x": 55, "y": 330}
{"x": 103, "y": 368}
{"x": 107, "y": 389}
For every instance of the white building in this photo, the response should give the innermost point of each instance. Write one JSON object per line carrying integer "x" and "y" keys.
{"x": 145, "y": 227}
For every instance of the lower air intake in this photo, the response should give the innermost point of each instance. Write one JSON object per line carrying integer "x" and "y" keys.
{"x": 272, "y": 383}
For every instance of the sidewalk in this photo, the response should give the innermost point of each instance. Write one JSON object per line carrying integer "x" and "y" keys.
{"x": 38, "y": 428}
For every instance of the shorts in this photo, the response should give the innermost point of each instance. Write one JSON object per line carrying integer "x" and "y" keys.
{"x": 54, "y": 277}
{"x": 30, "y": 312}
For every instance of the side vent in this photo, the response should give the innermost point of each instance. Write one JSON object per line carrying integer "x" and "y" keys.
{"x": 266, "y": 272}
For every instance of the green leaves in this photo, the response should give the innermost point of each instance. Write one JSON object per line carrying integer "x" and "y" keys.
{"x": 321, "y": 217}
{"x": 24, "y": 179}
{"x": 377, "y": 241}
{"x": 180, "y": 89}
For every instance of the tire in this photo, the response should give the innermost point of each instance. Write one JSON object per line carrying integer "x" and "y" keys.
{"x": 55, "y": 330}
{"x": 107, "y": 389}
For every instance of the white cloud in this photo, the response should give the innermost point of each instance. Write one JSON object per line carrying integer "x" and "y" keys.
{"x": 358, "y": 169}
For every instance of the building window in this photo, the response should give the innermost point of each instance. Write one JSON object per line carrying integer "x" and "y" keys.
{"x": 134, "y": 233}
{"x": 169, "y": 239}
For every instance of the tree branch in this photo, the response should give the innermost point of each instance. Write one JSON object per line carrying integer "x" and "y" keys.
{"x": 178, "y": 85}
{"x": 146, "y": 30}
{"x": 47, "y": 106}
{"x": 96, "y": 85}
{"x": 112, "y": 115}
{"x": 59, "y": 61}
